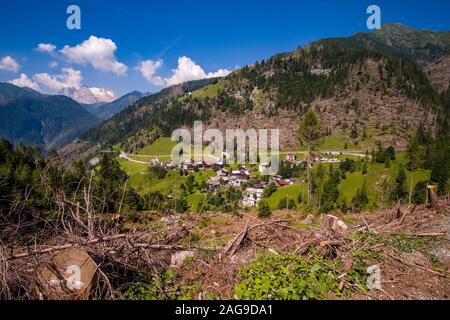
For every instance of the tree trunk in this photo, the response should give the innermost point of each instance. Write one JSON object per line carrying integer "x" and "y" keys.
{"x": 309, "y": 173}
{"x": 432, "y": 195}
{"x": 411, "y": 187}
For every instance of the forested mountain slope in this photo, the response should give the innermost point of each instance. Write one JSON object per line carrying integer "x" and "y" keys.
{"x": 377, "y": 82}
{"x": 46, "y": 121}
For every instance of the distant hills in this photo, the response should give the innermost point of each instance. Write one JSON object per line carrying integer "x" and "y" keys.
{"x": 29, "y": 117}
{"x": 51, "y": 121}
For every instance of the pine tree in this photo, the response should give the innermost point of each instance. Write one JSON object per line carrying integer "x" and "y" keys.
{"x": 264, "y": 210}
{"x": 354, "y": 132}
{"x": 415, "y": 154}
{"x": 364, "y": 168}
{"x": 387, "y": 162}
{"x": 309, "y": 131}
{"x": 360, "y": 200}
{"x": 399, "y": 190}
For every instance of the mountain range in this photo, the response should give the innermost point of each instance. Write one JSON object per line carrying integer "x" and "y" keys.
{"x": 387, "y": 82}
{"x": 51, "y": 121}
{"x": 46, "y": 121}
{"x": 378, "y": 82}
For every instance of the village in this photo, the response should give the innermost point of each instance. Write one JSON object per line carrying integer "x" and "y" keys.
{"x": 253, "y": 181}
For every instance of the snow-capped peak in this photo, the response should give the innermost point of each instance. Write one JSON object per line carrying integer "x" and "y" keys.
{"x": 90, "y": 95}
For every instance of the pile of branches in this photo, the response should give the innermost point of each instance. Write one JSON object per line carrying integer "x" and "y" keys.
{"x": 281, "y": 237}
{"x": 28, "y": 244}
{"x": 122, "y": 255}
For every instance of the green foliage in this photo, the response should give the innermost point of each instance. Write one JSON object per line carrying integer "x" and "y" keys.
{"x": 419, "y": 195}
{"x": 384, "y": 156}
{"x": 405, "y": 242}
{"x": 354, "y": 131}
{"x": 288, "y": 170}
{"x": 360, "y": 200}
{"x": 111, "y": 180}
{"x": 280, "y": 277}
{"x": 330, "y": 192}
{"x": 291, "y": 277}
{"x": 291, "y": 204}
{"x": 364, "y": 168}
{"x": 399, "y": 192}
{"x": 157, "y": 172}
{"x": 310, "y": 128}
{"x": 271, "y": 188}
{"x": 348, "y": 165}
{"x": 223, "y": 199}
{"x": 151, "y": 288}
{"x": 286, "y": 203}
{"x": 264, "y": 210}
{"x": 440, "y": 164}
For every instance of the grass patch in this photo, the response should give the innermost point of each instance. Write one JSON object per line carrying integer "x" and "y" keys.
{"x": 354, "y": 180}
{"x": 162, "y": 146}
{"x": 291, "y": 192}
{"x": 210, "y": 91}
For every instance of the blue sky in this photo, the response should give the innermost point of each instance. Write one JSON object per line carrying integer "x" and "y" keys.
{"x": 212, "y": 35}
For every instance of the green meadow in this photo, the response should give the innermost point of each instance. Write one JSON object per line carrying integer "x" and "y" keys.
{"x": 162, "y": 148}
{"x": 290, "y": 191}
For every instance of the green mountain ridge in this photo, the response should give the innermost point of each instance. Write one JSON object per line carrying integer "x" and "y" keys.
{"x": 351, "y": 82}
{"x": 46, "y": 121}
{"x": 400, "y": 40}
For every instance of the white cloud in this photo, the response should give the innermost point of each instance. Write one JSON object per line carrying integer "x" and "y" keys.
{"x": 46, "y": 47}
{"x": 24, "y": 81}
{"x": 148, "y": 69}
{"x": 9, "y": 64}
{"x": 98, "y": 52}
{"x": 69, "y": 78}
{"x": 187, "y": 70}
{"x": 53, "y": 64}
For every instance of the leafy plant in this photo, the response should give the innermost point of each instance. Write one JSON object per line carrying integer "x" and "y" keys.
{"x": 291, "y": 277}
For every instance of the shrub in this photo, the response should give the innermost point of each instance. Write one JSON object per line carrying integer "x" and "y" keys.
{"x": 291, "y": 277}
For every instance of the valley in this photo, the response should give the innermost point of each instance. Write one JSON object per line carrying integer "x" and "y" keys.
{"x": 358, "y": 207}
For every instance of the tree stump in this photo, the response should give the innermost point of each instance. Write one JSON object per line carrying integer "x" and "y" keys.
{"x": 69, "y": 275}
{"x": 432, "y": 196}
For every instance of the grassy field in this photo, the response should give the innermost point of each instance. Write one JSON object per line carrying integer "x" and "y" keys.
{"x": 209, "y": 91}
{"x": 349, "y": 186}
{"x": 337, "y": 141}
{"x": 131, "y": 168}
{"x": 353, "y": 181}
{"x": 139, "y": 180}
{"x": 162, "y": 146}
{"x": 290, "y": 191}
